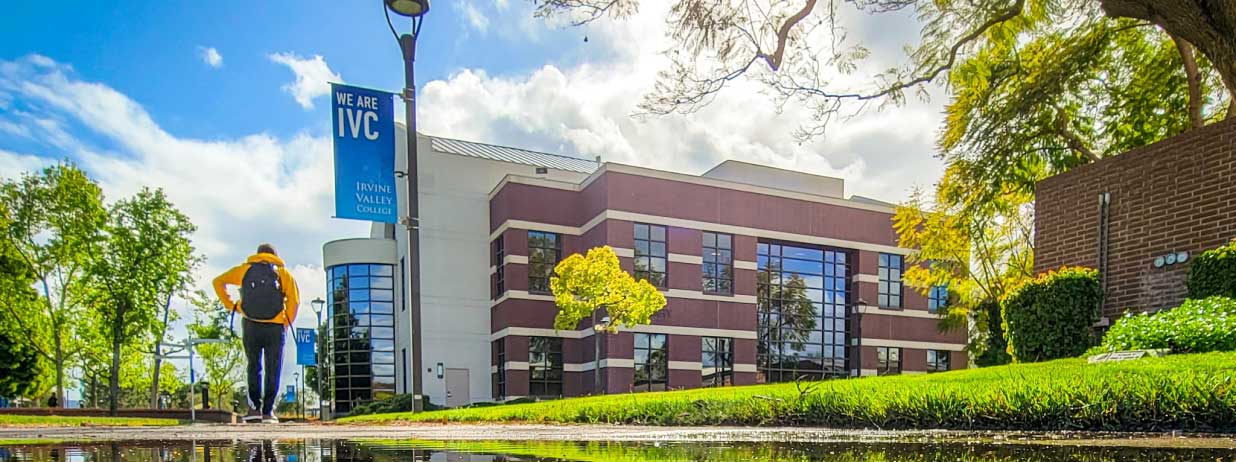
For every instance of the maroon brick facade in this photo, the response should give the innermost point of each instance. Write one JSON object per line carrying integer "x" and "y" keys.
{"x": 1177, "y": 195}
{"x": 687, "y": 209}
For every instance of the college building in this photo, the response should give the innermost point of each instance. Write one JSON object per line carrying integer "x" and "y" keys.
{"x": 770, "y": 275}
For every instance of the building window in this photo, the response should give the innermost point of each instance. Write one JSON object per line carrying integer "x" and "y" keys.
{"x": 403, "y": 286}
{"x": 717, "y": 362}
{"x": 803, "y": 325}
{"x": 500, "y": 375}
{"x": 499, "y": 262}
{"x": 544, "y": 250}
{"x": 650, "y": 254}
{"x": 937, "y": 360}
{"x": 362, "y": 334}
{"x": 888, "y": 361}
{"x": 718, "y": 270}
{"x": 937, "y": 298}
{"x": 545, "y": 366}
{"x": 651, "y": 362}
{"x": 406, "y": 384}
{"x": 890, "y": 280}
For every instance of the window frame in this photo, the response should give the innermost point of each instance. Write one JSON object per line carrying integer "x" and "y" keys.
{"x": 721, "y": 373}
{"x": 500, "y": 371}
{"x": 498, "y": 253}
{"x": 885, "y": 292}
{"x": 887, "y": 365}
{"x": 556, "y": 250}
{"x": 662, "y": 363}
{"x": 547, "y": 379}
{"x": 722, "y": 270}
{"x": 650, "y": 242}
{"x": 942, "y": 363}
{"x": 937, "y": 298}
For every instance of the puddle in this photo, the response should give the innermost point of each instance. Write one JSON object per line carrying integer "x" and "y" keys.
{"x": 324, "y": 450}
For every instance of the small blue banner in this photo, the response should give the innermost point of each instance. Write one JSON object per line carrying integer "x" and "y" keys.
{"x": 290, "y": 395}
{"x": 306, "y": 347}
{"x": 364, "y": 135}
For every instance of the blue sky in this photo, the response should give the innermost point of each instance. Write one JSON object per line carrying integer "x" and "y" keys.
{"x": 222, "y": 104}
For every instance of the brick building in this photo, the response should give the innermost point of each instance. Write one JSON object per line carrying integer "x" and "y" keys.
{"x": 1141, "y": 216}
{"x": 769, "y": 275}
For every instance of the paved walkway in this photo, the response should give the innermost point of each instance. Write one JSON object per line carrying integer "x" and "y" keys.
{"x": 597, "y": 433}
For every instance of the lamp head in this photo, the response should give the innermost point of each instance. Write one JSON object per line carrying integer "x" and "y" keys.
{"x": 409, "y": 8}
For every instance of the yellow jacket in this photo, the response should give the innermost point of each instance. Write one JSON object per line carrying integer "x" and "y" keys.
{"x": 236, "y": 276}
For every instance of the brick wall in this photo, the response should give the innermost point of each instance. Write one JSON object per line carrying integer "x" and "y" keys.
{"x": 1175, "y": 195}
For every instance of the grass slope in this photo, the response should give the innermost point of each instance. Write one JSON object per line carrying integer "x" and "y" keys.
{"x": 71, "y": 421}
{"x": 1179, "y": 392}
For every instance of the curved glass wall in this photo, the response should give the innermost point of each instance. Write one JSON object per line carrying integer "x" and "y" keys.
{"x": 362, "y": 333}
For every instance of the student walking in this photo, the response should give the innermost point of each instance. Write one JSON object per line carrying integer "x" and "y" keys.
{"x": 268, "y": 301}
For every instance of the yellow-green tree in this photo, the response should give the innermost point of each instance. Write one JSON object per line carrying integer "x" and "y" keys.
{"x": 584, "y": 284}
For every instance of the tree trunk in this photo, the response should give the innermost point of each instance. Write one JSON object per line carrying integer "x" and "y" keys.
{"x": 1210, "y": 25}
{"x": 59, "y": 371}
{"x": 1194, "y": 78}
{"x": 113, "y": 388}
{"x": 158, "y": 360}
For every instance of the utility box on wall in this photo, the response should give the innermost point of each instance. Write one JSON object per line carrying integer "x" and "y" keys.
{"x": 1135, "y": 215}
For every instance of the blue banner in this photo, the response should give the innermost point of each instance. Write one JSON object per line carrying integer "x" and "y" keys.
{"x": 290, "y": 395}
{"x": 306, "y": 347}
{"x": 364, "y": 135}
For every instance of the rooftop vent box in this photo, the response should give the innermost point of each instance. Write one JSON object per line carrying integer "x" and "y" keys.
{"x": 542, "y": 170}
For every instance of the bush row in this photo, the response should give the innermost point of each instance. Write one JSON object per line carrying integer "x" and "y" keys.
{"x": 1053, "y": 315}
{"x": 1197, "y": 326}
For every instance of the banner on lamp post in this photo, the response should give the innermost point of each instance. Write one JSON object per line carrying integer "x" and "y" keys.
{"x": 363, "y": 130}
{"x": 306, "y": 347}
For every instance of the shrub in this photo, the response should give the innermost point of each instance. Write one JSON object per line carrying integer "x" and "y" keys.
{"x": 1197, "y": 326}
{"x": 397, "y": 403}
{"x": 1213, "y": 273}
{"x": 994, "y": 346}
{"x": 1052, "y": 316}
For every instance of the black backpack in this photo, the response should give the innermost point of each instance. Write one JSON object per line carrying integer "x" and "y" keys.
{"x": 261, "y": 295}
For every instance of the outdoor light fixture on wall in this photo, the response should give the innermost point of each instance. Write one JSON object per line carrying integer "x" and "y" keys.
{"x": 439, "y": 370}
{"x": 1171, "y": 259}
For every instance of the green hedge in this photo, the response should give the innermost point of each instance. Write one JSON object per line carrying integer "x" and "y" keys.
{"x": 1053, "y": 315}
{"x": 994, "y": 346}
{"x": 1197, "y": 326}
{"x": 1213, "y": 273}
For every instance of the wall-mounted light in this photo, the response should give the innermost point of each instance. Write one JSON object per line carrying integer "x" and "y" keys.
{"x": 439, "y": 370}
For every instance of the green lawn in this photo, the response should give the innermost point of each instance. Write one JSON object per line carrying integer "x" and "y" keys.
{"x": 1179, "y": 392}
{"x": 69, "y": 421}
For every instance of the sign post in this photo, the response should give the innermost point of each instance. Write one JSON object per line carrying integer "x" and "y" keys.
{"x": 364, "y": 136}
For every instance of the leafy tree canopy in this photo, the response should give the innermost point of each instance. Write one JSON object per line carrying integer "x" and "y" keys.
{"x": 582, "y": 285}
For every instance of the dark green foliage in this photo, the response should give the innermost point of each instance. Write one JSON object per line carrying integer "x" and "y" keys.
{"x": 398, "y": 403}
{"x": 1214, "y": 273}
{"x": 1197, "y": 326}
{"x": 1052, "y": 316}
{"x": 995, "y": 347}
{"x": 20, "y": 367}
{"x": 1176, "y": 392}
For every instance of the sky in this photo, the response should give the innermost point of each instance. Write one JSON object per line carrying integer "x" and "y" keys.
{"x": 223, "y": 105}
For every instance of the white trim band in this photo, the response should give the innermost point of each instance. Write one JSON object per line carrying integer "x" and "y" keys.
{"x": 866, "y": 310}
{"x": 878, "y": 342}
{"x": 642, "y": 328}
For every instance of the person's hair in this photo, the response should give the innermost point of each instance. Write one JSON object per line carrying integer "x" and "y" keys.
{"x": 267, "y": 248}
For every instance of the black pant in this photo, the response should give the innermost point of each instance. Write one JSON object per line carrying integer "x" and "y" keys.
{"x": 264, "y": 350}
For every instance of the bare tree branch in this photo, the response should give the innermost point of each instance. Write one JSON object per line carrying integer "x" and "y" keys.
{"x": 1195, "y": 80}
{"x": 783, "y": 34}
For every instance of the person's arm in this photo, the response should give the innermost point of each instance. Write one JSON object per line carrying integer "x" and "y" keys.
{"x": 291, "y": 295}
{"x": 234, "y": 277}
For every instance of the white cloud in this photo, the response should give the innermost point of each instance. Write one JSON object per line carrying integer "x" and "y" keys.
{"x": 473, "y": 15}
{"x": 586, "y": 110}
{"x": 210, "y": 56}
{"x": 313, "y": 77}
{"x": 239, "y": 192}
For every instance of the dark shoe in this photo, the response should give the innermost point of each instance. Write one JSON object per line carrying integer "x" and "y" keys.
{"x": 270, "y": 419}
{"x": 254, "y": 416}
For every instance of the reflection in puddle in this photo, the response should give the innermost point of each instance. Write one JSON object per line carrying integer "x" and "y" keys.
{"x": 404, "y": 450}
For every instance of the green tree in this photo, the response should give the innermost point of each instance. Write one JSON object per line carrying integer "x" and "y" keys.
{"x": 787, "y": 299}
{"x": 582, "y": 285}
{"x": 146, "y": 253}
{"x": 223, "y": 361}
{"x": 49, "y": 221}
{"x": 22, "y": 370}
{"x": 798, "y": 51}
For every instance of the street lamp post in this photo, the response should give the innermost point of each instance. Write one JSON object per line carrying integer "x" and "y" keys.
{"x": 300, "y": 401}
{"x": 317, "y": 304}
{"x": 414, "y": 9}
